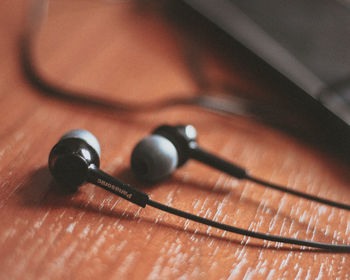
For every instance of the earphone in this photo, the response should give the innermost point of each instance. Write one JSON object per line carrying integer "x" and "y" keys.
{"x": 157, "y": 156}
{"x": 75, "y": 160}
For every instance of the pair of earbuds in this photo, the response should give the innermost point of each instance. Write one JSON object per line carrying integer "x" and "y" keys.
{"x": 75, "y": 160}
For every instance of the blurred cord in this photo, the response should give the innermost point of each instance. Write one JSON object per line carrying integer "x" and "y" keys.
{"x": 35, "y": 17}
{"x": 212, "y": 96}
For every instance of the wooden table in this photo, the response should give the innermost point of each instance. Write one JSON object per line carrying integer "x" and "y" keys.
{"x": 137, "y": 52}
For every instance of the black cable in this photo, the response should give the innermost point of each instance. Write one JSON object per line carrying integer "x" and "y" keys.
{"x": 239, "y": 172}
{"x": 301, "y": 194}
{"x": 49, "y": 88}
{"x": 30, "y": 70}
{"x": 201, "y": 97}
{"x": 263, "y": 236}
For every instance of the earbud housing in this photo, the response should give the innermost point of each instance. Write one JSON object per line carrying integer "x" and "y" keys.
{"x": 71, "y": 157}
{"x": 156, "y": 157}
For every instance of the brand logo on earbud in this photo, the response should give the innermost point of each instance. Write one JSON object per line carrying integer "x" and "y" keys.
{"x": 114, "y": 188}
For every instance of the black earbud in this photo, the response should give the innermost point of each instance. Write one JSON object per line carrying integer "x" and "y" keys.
{"x": 157, "y": 156}
{"x": 71, "y": 157}
{"x": 75, "y": 160}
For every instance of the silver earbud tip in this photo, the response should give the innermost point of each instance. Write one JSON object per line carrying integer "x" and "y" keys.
{"x": 154, "y": 158}
{"x": 85, "y": 135}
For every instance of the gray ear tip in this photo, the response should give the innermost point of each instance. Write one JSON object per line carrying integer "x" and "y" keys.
{"x": 154, "y": 158}
{"x": 85, "y": 135}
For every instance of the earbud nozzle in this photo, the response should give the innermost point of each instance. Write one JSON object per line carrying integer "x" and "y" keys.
{"x": 85, "y": 135}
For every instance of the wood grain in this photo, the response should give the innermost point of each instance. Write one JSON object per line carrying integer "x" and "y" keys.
{"x": 127, "y": 52}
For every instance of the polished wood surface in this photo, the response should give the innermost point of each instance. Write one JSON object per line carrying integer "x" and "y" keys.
{"x": 133, "y": 52}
